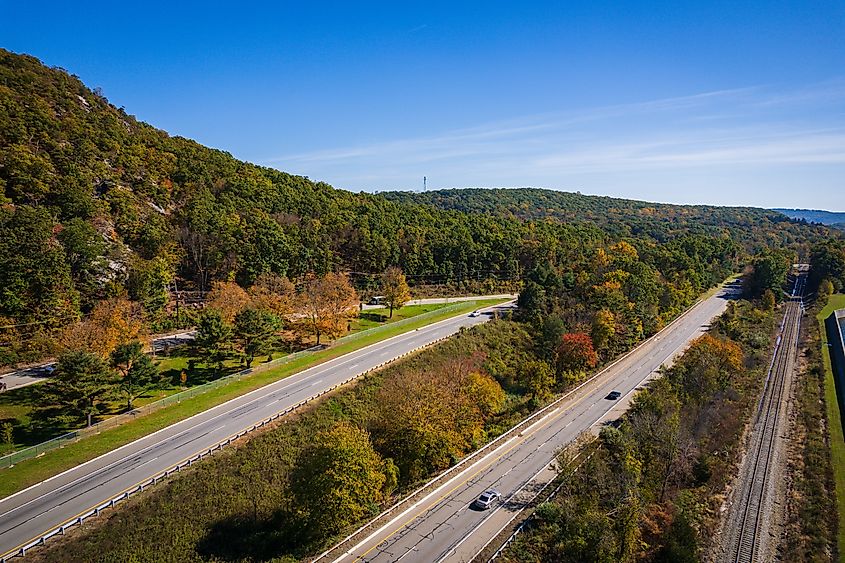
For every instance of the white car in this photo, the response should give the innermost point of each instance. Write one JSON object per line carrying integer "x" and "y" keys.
{"x": 487, "y": 499}
{"x": 475, "y": 314}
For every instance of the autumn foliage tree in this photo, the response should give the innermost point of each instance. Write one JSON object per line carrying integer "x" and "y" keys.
{"x": 338, "y": 480}
{"x": 273, "y": 293}
{"x": 429, "y": 417}
{"x": 575, "y": 353}
{"x": 709, "y": 365}
{"x": 395, "y": 288}
{"x": 229, "y": 298}
{"x": 328, "y": 303}
{"x": 113, "y": 322}
{"x": 538, "y": 378}
{"x": 603, "y": 329}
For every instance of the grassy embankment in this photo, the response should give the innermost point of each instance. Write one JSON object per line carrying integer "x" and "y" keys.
{"x": 18, "y": 406}
{"x": 35, "y": 470}
{"x": 240, "y": 505}
{"x": 265, "y": 501}
{"x": 834, "y": 417}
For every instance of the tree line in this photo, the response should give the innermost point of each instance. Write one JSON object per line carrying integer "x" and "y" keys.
{"x": 105, "y": 358}
{"x": 95, "y": 204}
{"x": 651, "y": 488}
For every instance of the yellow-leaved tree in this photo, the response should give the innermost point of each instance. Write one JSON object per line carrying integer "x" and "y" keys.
{"x": 112, "y": 322}
{"x": 395, "y": 288}
{"x": 338, "y": 479}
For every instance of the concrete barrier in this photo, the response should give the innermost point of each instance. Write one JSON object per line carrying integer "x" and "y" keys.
{"x": 835, "y": 328}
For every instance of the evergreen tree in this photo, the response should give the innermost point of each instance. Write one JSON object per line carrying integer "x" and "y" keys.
{"x": 256, "y": 331}
{"x": 137, "y": 371}
{"x": 213, "y": 336}
{"x": 81, "y": 386}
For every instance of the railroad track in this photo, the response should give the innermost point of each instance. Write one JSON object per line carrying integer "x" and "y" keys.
{"x": 756, "y": 492}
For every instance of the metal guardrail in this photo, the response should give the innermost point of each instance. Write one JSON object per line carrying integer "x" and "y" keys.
{"x": 60, "y": 529}
{"x": 30, "y": 452}
{"x": 516, "y": 429}
{"x": 536, "y": 502}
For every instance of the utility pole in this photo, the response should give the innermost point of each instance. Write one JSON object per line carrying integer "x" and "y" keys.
{"x": 424, "y": 184}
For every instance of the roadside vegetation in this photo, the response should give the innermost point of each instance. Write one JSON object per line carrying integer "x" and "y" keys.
{"x": 816, "y": 527}
{"x": 652, "y": 489}
{"x": 817, "y": 468}
{"x": 404, "y": 424}
{"x": 418, "y": 417}
{"x": 108, "y": 225}
{"x": 31, "y": 471}
{"x": 289, "y": 491}
{"x": 103, "y": 370}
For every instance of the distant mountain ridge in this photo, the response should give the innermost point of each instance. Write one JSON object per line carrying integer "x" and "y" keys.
{"x": 621, "y": 217}
{"x": 830, "y": 218}
{"x": 94, "y": 203}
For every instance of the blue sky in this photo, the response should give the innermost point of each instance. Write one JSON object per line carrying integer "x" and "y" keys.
{"x": 739, "y": 103}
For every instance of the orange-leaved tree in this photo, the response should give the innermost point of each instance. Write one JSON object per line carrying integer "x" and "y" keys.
{"x": 575, "y": 354}
{"x": 113, "y": 322}
{"x": 710, "y": 364}
{"x": 229, "y": 298}
{"x": 328, "y": 303}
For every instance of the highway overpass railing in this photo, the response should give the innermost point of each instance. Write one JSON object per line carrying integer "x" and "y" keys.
{"x": 18, "y": 456}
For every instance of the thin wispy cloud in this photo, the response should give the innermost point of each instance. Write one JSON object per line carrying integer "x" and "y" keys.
{"x": 711, "y": 133}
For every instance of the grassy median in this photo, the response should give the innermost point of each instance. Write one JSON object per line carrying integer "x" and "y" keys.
{"x": 834, "y": 417}
{"x": 32, "y": 471}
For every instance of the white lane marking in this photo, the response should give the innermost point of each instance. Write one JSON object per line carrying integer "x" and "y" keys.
{"x": 282, "y": 385}
{"x": 688, "y": 315}
{"x": 142, "y": 465}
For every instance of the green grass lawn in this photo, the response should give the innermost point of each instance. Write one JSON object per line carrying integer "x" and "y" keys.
{"x": 32, "y": 471}
{"x": 17, "y": 404}
{"x": 377, "y": 317}
{"x": 834, "y": 417}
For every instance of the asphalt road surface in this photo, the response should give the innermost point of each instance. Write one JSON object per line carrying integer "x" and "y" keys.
{"x": 27, "y": 515}
{"x": 443, "y": 526}
{"x": 37, "y": 374}
{"x": 445, "y": 300}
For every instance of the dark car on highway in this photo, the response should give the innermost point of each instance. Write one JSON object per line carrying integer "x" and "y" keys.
{"x": 613, "y": 395}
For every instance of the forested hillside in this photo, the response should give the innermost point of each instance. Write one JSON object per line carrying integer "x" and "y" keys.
{"x": 753, "y": 227}
{"x": 95, "y": 204}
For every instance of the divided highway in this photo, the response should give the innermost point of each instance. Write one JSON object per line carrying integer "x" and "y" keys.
{"x": 29, "y": 514}
{"x": 442, "y": 526}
